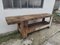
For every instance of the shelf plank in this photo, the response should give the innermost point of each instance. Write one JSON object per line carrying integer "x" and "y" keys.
{"x": 36, "y": 26}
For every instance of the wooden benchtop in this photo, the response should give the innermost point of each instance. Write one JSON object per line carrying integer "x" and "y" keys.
{"x": 18, "y": 19}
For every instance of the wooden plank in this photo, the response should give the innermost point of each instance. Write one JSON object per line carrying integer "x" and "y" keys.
{"x": 18, "y": 19}
{"x": 36, "y": 26}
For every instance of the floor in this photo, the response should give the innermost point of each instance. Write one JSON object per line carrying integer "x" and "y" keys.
{"x": 55, "y": 40}
{"x": 48, "y": 36}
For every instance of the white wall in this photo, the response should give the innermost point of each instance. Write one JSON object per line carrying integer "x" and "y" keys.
{"x": 57, "y": 5}
{"x": 47, "y": 8}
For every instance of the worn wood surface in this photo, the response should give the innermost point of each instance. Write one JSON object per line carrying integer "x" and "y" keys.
{"x": 18, "y": 19}
{"x": 36, "y": 26}
{"x": 25, "y": 28}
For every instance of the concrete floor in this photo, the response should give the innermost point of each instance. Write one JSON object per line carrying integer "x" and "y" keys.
{"x": 48, "y": 36}
{"x": 55, "y": 40}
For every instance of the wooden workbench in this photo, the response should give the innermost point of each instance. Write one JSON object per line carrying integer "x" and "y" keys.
{"x": 24, "y": 27}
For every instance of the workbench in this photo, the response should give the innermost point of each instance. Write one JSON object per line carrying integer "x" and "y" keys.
{"x": 25, "y": 28}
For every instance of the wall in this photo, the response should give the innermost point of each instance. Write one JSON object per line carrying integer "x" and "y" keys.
{"x": 47, "y": 8}
{"x": 57, "y": 4}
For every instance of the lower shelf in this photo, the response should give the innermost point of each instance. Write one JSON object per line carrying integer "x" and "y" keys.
{"x": 36, "y": 26}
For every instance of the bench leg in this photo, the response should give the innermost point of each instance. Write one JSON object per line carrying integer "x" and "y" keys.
{"x": 43, "y": 19}
{"x": 18, "y": 27}
{"x": 51, "y": 18}
{"x": 24, "y": 29}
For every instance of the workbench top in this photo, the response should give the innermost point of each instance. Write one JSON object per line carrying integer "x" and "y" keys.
{"x": 18, "y": 19}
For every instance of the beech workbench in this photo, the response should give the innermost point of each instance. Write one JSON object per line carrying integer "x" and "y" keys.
{"x": 24, "y": 27}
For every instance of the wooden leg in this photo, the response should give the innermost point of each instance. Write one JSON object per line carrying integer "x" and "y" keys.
{"x": 43, "y": 19}
{"x": 24, "y": 29}
{"x": 51, "y": 20}
{"x": 18, "y": 27}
